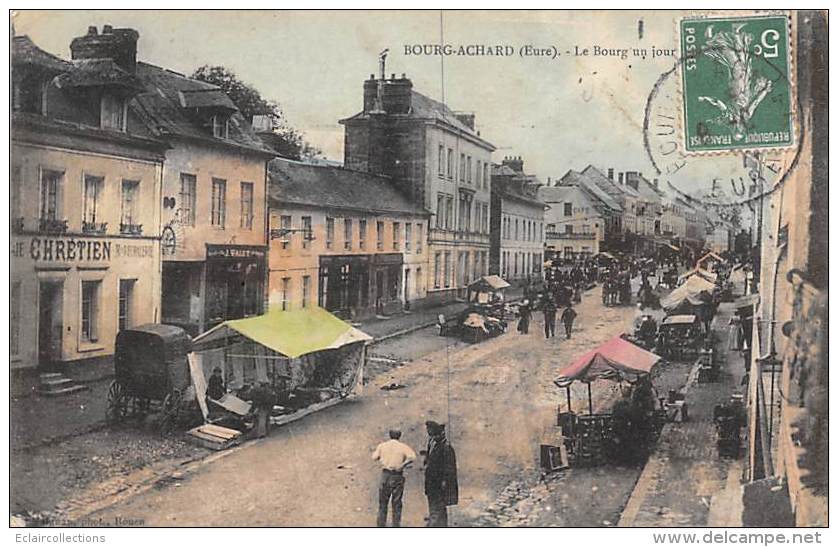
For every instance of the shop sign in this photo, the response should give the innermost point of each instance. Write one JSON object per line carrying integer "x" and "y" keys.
{"x": 69, "y": 249}
{"x": 235, "y": 251}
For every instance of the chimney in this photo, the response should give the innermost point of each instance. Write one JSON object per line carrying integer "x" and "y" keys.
{"x": 515, "y": 163}
{"x": 396, "y": 95}
{"x": 548, "y": 182}
{"x": 370, "y": 94}
{"x": 119, "y": 44}
{"x": 466, "y": 118}
{"x": 620, "y": 178}
{"x": 611, "y": 174}
{"x": 262, "y": 124}
{"x": 632, "y": 179}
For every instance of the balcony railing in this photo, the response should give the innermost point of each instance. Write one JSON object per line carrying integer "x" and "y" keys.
{"x": 131, "y": 229}
{"x": 565, "y": 235}
{"x": 52, "y": 226}
{"x": 94, "y": 227}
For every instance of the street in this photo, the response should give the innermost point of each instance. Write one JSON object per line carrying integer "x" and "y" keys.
{"x": 497, "y": 399}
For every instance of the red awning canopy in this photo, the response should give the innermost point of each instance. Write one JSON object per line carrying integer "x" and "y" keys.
{"x": 616, "y": 359}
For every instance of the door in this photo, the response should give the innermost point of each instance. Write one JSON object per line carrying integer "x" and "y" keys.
{"x": 50, "y": 325}
{"x": 379, "y": 291}
{"x": 406, "y": 284}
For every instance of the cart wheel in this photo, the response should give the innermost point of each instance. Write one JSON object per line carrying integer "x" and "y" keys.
{"x": 117, "y": 404}
{"x": 171, "y": 409}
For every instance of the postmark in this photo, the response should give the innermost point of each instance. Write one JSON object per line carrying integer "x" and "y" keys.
{"x": 736, "y": 83}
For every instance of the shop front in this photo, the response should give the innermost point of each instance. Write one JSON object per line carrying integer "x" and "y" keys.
{"x": 70, "y": 295}
{"x": 356, "y": 286}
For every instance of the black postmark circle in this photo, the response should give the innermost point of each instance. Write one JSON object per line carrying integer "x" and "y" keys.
{"x": 717, "y": 179}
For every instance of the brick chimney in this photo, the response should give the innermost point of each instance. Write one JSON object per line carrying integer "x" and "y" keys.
{"x": 620, "y": 178}
{"x": 611, "y": 173}
{"x": 466, "y": 118}
{"x": 515, "y": 163}
{"x": 397, "y": 95}
{"x": 632, "y": 179}
{"x": 119, "y": 44}
{"x": 370, "y": 94}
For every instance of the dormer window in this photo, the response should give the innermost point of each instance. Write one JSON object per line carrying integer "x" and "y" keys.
{"x": 113, "y": 112}
{"x": 220, "y": 126}
{"x": 30, "y": 95}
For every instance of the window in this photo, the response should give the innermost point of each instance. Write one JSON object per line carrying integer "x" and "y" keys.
{"x": 450, "y": 164}
{"x": 419, "y": 238}
{"x": 486, "y": 176}
{"x": 126, "y": 303}
{"x": 306, "y": 290}
{"x": 330, "y": 232}
{"x": 286, "y": 293}
{"x": 468, "y": 169}
{"x": 379, "y": 235}
{"x": 449, "y": 212}
{"x": 219, "y": 202}
{"x": 305, "y": 224}
{"x": 408, "y": 236}
{"x": 92, "y": 198}
{"x": 246, "y": 221}
{"x": 485, "y": 218}
{"x": 447, "y": 269}
{"x": 568, "y": 228}
{"x": 362, "y": 234}
{"x": 50, "y": 194}
{"x": 285, "y": 224}
{"x": 347, "y": 234}
{"x": 112, "y": 112}
{"x": 479, "y": 173}
{"x": 129, "y": 224}
{"x": 187, "y": 199}
{"x": 397, "y": 235}
{"x": 440, "y": 211}
{"x": 462, "y": 167}
{"x": 89, "y": 310}
{"x": 220, "y": 126}
{"x": 438, "y": 270}
{"x": 441, "y": 161}
{"x": 14, "y": 319}
{"x": 568, "y": 209}
{"x": 516, "y": 229}
{"x": 30, "y": 95}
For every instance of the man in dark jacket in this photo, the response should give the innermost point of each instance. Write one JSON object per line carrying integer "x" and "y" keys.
{"x": 441, "y": 487}
{"x": 568, "y": 315}
{"x": 549, "y": 310}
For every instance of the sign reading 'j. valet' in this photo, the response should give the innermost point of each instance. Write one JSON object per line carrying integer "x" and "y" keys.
{"x": 736, "y": 83}
{"x": 69, "y": 249}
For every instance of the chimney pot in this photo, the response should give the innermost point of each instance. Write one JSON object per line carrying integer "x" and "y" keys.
{"x": 92, "y": 31}
{"x": 107, "y": 29}
{"x": 372, "y": 76}
{"x": 404, "y": 75}
{"x": 119, "y": 44}
{"x": 393, "y": 76}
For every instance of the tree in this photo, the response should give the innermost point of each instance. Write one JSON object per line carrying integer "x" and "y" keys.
{"x": 286, "y": 140}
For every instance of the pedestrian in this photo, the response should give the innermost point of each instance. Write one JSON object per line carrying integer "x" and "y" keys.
{"x": 568, "y": 315}
{"x": 215, "y": 387}
{"x": 441, "y": 487}
{"x": 394, "y": 457}
{"x": 262, "y": 400}
{"x": 525, "y": 314}
{"x": 549, "y": 310}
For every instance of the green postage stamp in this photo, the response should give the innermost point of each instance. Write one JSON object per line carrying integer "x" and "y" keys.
{"x": 736, "y": 83}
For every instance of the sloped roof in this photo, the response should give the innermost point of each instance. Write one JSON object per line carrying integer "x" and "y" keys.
{"x": 616, "y": 359}
{"x": 161, "y": 108}
{"x": 205, "y": 98}
{"x": 325, "y": 186}
{"x": 591, "y": 188}
{"x": 24, "y": 51}
{"x": 98, "y": 72}
{"x": 607, "y": 185}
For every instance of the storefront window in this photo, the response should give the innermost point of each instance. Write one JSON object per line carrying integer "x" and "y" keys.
{"x": 89, "y": 310}
{"x": 126, "y": 297}
{"x": 247, "y": 205}
{"x": 219, "y": 202}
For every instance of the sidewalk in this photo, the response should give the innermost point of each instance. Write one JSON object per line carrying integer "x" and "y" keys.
{"x": 685, "y": 482}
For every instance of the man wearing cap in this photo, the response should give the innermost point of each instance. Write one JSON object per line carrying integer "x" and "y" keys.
{"x": 441, "y": 487}
{"x": 394, "y": 457}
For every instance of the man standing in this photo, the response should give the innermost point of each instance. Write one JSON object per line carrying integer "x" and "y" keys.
{"x": 262, "y": 399}
{"x": 441, "y": 487}
{"x": 524, "y": 313}
{"x": 549, "y": 309}
{"x": 394, "y": 457}
{"x": 568, "y": 315}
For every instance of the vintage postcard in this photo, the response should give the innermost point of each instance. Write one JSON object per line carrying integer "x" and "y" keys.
{"x": 419, "y": 268}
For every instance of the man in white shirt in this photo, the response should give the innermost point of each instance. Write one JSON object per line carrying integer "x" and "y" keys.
{"x": 394, "y": 456}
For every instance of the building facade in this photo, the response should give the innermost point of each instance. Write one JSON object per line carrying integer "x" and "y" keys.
{"x": 85, "y": 209}
{"x": 517, "y": 223}
{"x": 574, "y": 225}
{"x": 345, "y": 240}
{"x": 437, "y": 159}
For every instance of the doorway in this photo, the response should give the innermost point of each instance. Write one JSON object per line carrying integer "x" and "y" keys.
{"x": 50, "y": 325}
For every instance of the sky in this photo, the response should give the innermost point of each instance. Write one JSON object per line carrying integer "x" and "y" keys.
{"x": 558, "y": 114}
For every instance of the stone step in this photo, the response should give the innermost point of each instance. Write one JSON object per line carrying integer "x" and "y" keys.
{"x": 62, "y": 391}
{"x": 54, "y": 383}
{"x": 50, "y": 376}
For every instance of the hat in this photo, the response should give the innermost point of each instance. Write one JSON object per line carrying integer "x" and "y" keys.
{"x": 434, "y": 427}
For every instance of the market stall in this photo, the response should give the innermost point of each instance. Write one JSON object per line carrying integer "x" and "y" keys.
{"x": 309, "y": 358}
{"x": 697, "y": 272}
{"x": 487, "y": 289}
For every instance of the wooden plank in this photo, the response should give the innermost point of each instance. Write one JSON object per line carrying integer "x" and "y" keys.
{"x": 219, "y": 431}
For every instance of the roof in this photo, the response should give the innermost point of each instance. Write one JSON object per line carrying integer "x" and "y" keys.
{"x": 161, "y": 107}
{"x": 695, "y": 291}
{"x": 289, "y": 333}
{"x": 607, "y": 185}
{"x": 698, "y": 272}
{"x": 491, "y": 282}
{"x": 591, "y": 188}
{"x": 205, "y": 98}
{"x": 712, "y": 255}
{"x": 326, "y": 186}
{"x": 24, "y": 51}
{"x": 98, "y": 72}
{"x": 616, "y": 359}
{"x": 513, "y": 189}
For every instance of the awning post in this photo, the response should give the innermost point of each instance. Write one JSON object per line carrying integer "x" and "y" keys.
{"x": 569, "y": 409}
{"x": 590, "y": 400}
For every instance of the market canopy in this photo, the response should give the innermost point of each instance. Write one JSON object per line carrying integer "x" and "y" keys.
{"x": 489, "y": 283}
{"x": 695, "y": 291}
{"x": 616, "y": 359}
{"x": 290, "y": 333}
{"x": 698, "y": 272}
{"x": 711, "y": 256}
